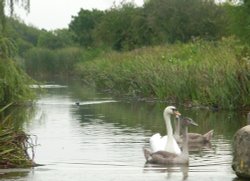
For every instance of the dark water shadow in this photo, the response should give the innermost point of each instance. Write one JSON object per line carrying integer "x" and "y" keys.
{"x": 14, "y": 173}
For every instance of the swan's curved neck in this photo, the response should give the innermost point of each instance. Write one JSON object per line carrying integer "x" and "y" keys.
{"x": 168, "y": 124}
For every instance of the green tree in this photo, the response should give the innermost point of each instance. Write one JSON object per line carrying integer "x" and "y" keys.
{"x": 84, "y": 24}
{"x": 7, "y": 46}
{"x": 13, "y": 81}
{"x": 180, "y": 20}
{"x": 124, "y": 28}
{"x": 65, "y": 36}
{"x": 25, "y": 37}
{"x": 23, "y": 3}
{"x": 115, "y": 29}
{"x": 17, "y": 29}
{"x": 240, "y": 19}
{"x": 55, "y": 39}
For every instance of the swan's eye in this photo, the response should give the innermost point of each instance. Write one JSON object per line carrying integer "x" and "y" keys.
{"x": 174, "y": 109}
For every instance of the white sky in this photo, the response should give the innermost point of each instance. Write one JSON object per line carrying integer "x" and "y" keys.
{"x": 55, "y": 14}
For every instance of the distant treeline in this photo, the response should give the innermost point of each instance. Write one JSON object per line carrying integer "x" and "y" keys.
{"x": 125, "y": 27}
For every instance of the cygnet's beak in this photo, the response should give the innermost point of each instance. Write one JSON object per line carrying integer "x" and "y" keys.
{"x": 193, "y": 123}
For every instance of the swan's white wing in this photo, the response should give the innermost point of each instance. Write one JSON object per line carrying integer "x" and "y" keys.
{"x": 172, "y": 146}
{"x": 158, "y": 143}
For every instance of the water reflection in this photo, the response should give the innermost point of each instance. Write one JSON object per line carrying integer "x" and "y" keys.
{"x": 16, "y": 116}
{"x": 199, "y": 147}
{"x": 14, "y": 174}
{"x": 103, "y": 137}
{"x": 149, "y": 117}
{"x": 169, "y": 170}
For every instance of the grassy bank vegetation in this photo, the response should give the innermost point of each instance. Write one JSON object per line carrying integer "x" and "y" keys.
{"x": 14, "y": 89}
{"x": 14, "y": 143}
{"x": 13, "y": 148}
{"x": 200, "y": 72}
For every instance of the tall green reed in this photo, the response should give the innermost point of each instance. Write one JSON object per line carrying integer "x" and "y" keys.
{"x": 199, "y": 72}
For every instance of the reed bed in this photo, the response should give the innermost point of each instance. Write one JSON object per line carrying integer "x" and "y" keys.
{"x": 14, "y": 144}
{"x": 13, "y": 149}
{"x": 197, "y": 73}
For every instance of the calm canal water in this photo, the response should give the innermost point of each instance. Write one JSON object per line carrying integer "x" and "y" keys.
{"x": 102, "y": 139}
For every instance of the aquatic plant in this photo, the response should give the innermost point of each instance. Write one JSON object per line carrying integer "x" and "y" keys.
{"x": 14, "y": 89}
{"x": 14, "y": 144}
{"x": 13, "y": 148}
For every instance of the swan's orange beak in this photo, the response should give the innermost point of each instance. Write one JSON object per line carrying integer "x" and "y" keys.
{"x": 177, "y": 113}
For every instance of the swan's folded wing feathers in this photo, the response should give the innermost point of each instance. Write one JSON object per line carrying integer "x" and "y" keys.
{"x": 157, "y": 142}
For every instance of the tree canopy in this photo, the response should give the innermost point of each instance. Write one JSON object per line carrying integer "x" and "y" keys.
{"x": 240, "y": 20}
{"x": 159, "y": 21}
{"x": 11, "y": 4}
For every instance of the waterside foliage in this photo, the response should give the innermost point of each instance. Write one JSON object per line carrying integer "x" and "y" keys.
{"x": 14, "y": 89}
{"x": 14, "y": 143}
{"x": 14, "y": 83}
{"x": 13, "y": 147}
{"x": 200, "y": 72}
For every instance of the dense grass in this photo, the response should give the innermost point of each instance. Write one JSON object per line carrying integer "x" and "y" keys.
{"x": 207, "y": 73}
{"x": 14, "y": 89}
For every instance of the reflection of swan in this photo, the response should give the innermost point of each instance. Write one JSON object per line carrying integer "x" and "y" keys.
{"x": 169, "y": 169}
{"x": 163, "y": 157}
{"x": 168, "y": 142}
{"x": 192, "y": 137}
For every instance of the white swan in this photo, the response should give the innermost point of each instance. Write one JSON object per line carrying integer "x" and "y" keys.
{"x": 163, "y": 157}
{"x": 168, "y": 142}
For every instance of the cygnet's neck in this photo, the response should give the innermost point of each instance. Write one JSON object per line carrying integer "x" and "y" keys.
{"x": 177, "y": 128}
{"x": 185, "y": 142}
